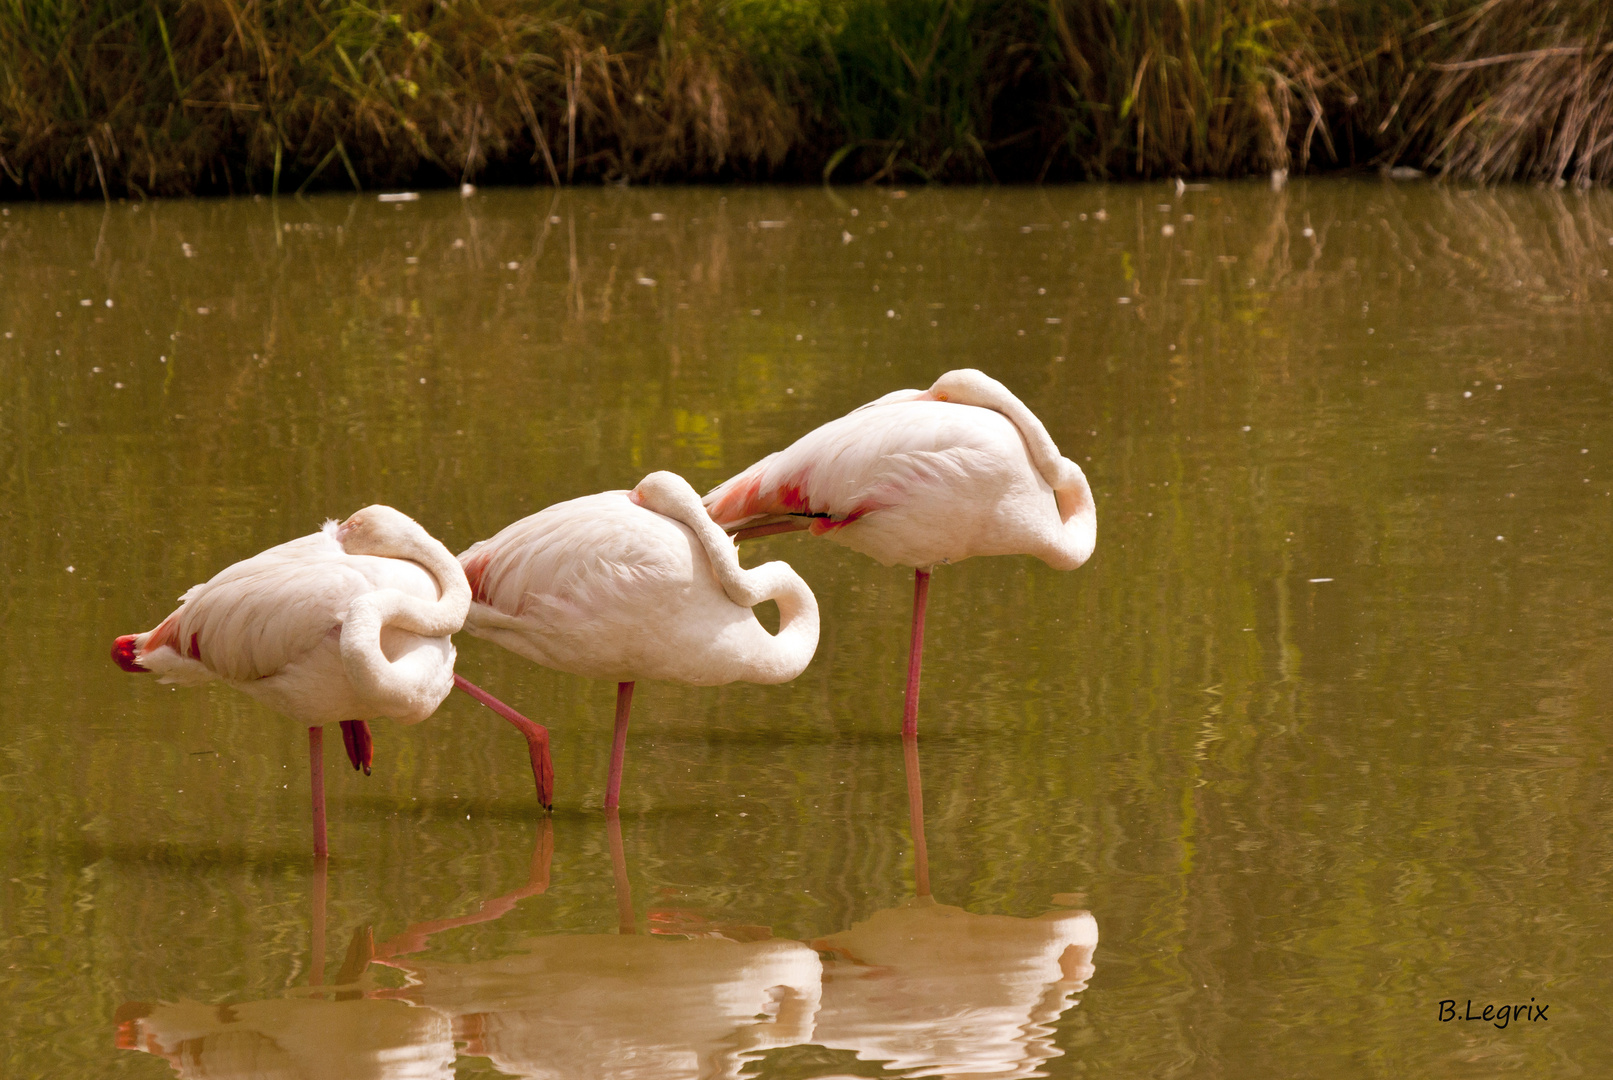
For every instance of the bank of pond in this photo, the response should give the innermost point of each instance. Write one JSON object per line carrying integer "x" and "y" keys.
{"x": 114, "y": 100}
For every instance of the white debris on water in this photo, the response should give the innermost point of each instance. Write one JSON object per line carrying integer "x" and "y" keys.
{"x": 399, "y": 196}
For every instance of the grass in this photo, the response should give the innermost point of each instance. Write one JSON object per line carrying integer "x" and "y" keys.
{"x": 118, "y": 97}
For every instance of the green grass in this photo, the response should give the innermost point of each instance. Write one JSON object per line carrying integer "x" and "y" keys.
{"x": 115, "y": 97}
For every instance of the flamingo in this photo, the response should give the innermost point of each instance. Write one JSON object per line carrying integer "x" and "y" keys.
{"x": 640, "y": 584}
{"x": 346, "y": 624}
{"x": 920, "y": 478}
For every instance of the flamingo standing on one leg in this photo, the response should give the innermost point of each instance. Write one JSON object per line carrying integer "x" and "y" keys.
{"x": 922, "y": 477}
{"x": 349, "y": 623}
{"x": 641, "y": 584}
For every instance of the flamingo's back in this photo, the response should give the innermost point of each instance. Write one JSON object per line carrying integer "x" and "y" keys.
{"x": 602, "y": 587}
{"x": 905, "y": 480}
{"x": 270, "y": 625}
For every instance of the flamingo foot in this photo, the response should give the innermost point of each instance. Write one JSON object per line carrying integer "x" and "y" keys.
{"x": 360, "y": 746}
{"x": 537, "y": 738}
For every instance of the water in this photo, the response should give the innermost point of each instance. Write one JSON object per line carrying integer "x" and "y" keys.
{"x": 1318, "y": 738}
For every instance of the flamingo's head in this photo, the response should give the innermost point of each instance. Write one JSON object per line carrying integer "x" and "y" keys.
{"x": 665, "y": 493}
{"x": 376, "y": 530}
{"x": 965, "y": 386}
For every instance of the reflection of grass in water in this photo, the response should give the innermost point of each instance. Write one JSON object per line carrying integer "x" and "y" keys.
{"x": 150, "y": 99}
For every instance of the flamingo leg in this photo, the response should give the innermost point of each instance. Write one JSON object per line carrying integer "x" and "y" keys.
{"x": 537, "y": 738}
{"x": 316, "y": 775}
{"x": 618, "y": 749}
{"x": 915, "y": 655}
{"x": 626, "y": 923}
{"x": 915, "y": 814}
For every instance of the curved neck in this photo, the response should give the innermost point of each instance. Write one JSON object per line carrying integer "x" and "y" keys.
{"x": 429, "y": 619}
{"x": 797, "y": 637}
{"x": 1070, "y": 488}
{"x": 1079, "y": 514}
{"x": 367, "y": 615}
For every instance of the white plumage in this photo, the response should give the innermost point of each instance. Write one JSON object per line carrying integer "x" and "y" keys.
{"x": 640, "y": 584}
{"x": 272, "y": 626}
{"x": 609, "y": 588}
{"x": 350, "y": 623}
{"x": 919, "y": 478}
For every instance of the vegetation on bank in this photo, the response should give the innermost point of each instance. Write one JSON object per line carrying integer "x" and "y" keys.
{"x": 148, "y": 97}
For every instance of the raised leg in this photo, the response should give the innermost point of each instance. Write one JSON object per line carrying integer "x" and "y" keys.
{"x": 417, "y": 935}
{"x": 618, "y": 748}
{"x": 626, "y": 923}
{"x": 915, "y": 814}
{"x": 316, "y": 776}
{"x": 915, "y": 654}
{"x": 537, "y": 739}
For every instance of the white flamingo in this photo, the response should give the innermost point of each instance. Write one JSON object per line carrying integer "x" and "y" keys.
{"x": 641, "y": 584}
{"x": 350, "y": 623}
{"x": 920, "y": 478}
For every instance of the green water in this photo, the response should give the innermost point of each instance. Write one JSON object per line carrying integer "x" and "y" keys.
{"x": 1320, "y": 736}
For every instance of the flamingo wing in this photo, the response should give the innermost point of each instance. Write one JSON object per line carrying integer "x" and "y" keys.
{"x": 871, "y": 459}
{"x": 590, "y": 557}
{"x": 253, "y": 618}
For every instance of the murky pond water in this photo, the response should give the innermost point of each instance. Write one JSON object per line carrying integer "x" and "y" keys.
{"x": 1318, "y": 740}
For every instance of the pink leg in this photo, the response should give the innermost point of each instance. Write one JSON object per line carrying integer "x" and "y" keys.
{"x": 537, "y": 738}
{"x": 915, "y": 654}
{"x": 915, "y": 814}
{"x": 618, "y": 749}
{"x": 316, "y": 773}
{"x": 626, "y": 923}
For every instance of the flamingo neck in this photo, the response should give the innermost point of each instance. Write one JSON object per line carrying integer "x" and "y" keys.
{"x": 1076, "y": 508}
{"x": 366, "y": 664}
{"x": 797, "y": 638}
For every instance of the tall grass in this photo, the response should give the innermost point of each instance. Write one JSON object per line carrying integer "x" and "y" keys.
{"x": 172, "y": 96}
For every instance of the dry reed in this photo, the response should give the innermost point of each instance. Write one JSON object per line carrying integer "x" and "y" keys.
{"x": 115, "y": 97}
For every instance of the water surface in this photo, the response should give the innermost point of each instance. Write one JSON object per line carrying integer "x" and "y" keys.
{"x": 1317, "y": 740}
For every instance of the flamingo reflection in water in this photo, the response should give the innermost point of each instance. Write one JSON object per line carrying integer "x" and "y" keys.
{"x": 935, "y": 990}
{"x": 924, "y": 987}
{"x": 343, "y": 1030}
{"x": 626, "y": 1005}
{"x": 358, "y": 1038}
